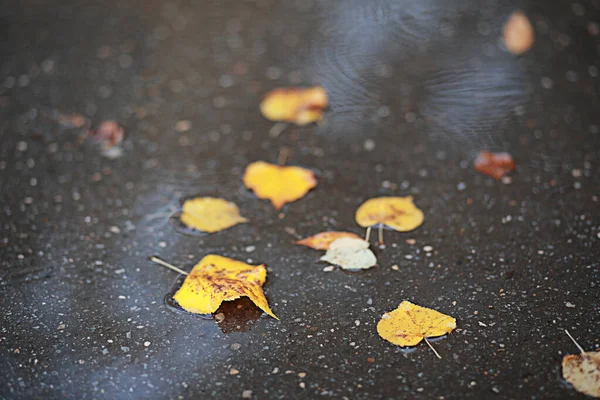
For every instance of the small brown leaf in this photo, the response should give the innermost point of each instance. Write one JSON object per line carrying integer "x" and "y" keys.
{"x": 495, "y": 165}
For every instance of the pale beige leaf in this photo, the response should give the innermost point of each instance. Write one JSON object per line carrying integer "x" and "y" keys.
{"x": 350, "y": 253}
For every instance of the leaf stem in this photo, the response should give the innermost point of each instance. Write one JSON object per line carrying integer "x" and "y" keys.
{"x": 574, "y": 341}
{"x": 165, "y": 264}
{"x": 284, "y": 152}
{"x": 368, "y": 234}
{"x": 277, "y": 129}
{"x": 432, "y": 349}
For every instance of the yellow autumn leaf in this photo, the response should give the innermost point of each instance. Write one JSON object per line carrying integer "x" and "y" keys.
{"x": 210, "y": 214}
{"x": 409, "y": 324}
{"x": 583, "y": 370}
{"x": 216, "y": 279}
{"x": 277, "y": 183}
{"x": 300, "y": 106}
{"x": 398, "y": 213}
{"x": 322, "y": 241}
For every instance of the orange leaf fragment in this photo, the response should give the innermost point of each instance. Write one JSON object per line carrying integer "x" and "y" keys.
{"x": 277, "y": 183}
{"x": 398, "y": 213}
{"x": 300, "y": 106}
{"x": 210, "y": 214}
{"x": 322, "y": 241}
{"x": 518, "y": 33}
{"x": 216, "y": 279}
{"x": 495, "y": 165}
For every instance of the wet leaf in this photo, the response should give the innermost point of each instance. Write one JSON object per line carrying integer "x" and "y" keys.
{"x": 216, "y": 279}
{"x": 495, "y": 165}
{"x": 409, "y": 324}
{"x": 322, "y": 241}
{"x": 300, "y": 106}
{"x": 108, "y": 133}
{"x": 350, "y": 253}
{"x": 582, "y": 370}
{"x": 398, "y": 213}
{"x": 108, "y": 136}
{"x": 518, "y": 33}
{"x": 277, "y": 183}
{"x": 210, "y": 214}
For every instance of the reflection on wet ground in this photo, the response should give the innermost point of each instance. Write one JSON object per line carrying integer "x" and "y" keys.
{"x": 416, "y": 89}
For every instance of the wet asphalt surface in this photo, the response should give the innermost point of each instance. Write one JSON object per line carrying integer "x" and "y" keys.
{"x": 416, "y": 90}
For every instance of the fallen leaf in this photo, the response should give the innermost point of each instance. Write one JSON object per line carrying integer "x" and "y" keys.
{"x": 216, "y": 279}
{"x": 300, "y": 106}
{"x": 277, "y": 183}
{"x": 350, "y": 253}
{"x": 409, "y": 324}
{"x": 210, "y": 214}
{"x": 109, "y": 134}
{"x": 518, "y": 33}
{"x": 583, "y": 370}
{"x": 495, "y": 165}
{"x": 398, "y": 213}
{"x": 322, "y": 241}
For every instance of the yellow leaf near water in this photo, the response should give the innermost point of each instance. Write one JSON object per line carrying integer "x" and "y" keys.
{"x": 322, "y": 241}
{"x": 350, "y": 253}
{"x": 216, "y": 279}
{"x": 300, "y": 106}
{"x": 277, "y": 183}
{"x": 409, "y": 324}
{"x": 398, "y": 213}
{"x": 210, "y": 214}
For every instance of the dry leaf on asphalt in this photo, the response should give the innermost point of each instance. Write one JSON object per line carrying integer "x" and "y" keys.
{"x": 518, "y": 33}
{"x": 350, "y": 254}
{"x": 409, "y": 324}
{"x": 322, "y": 241}
{"x": 278, "y": 183}
{"x": 216, "y": 279}
{"x": 583, "y": 370}
{"x": 300, "y": 106}
{"x": 210, "y": 214}
{"x": 495, "y": 165}
{"x": 398, "y": 213}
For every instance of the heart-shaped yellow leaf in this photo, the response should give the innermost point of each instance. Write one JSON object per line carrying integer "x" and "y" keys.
{"x": 409, "y": 324}
{"x": 210, "y": 214}
{"x": 300, "y": 106}
{"x": 216, "y": 279}
{"x": 277, "y": 183}
{"x": 398, "y": 213}
{"x": 322, "y": 241}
